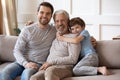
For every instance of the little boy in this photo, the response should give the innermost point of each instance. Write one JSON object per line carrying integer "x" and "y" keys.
{"x": 88, "y": 63}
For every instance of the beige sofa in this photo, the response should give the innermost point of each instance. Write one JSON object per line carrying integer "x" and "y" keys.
{"x": 109, "y": 55}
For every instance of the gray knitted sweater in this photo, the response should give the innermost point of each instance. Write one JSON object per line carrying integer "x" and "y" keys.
{"x": 33, "y": 44}
{"x": 64, "y": 52}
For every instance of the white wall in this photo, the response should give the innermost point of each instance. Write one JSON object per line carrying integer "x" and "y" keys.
{"x": 102, "y": 17}
{"x": 26, "y": 10}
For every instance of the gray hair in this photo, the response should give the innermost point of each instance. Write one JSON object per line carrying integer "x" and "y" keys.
{"x": 61, "y": 12}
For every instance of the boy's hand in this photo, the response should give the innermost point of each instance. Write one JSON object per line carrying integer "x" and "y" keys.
{"x": 59, "y": 36}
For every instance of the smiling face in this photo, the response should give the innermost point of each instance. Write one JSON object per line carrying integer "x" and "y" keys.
{"x": 44, "y": 15}
{"x": 77, "y": 25}
{"x": 76, "y": 29}
{"x": 61, "y": 23}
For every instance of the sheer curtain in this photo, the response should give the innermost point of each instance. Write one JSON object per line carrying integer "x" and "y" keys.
{"x": 9, "y": 16}
{"x": 1, "y": 19}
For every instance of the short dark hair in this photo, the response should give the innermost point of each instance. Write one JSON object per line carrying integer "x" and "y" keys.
{"x": 47, "y": 4}
{"x": 77, "y": 20}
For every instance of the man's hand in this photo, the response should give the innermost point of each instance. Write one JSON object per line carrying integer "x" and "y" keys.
{"x": 45, "y": 66}
{"x": 93, "y": 41}
{"x": 31, "y": 65}
{"x": 29, "y": 23}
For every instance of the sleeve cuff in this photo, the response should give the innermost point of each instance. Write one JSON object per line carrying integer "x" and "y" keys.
{"x": 24, "y": 63}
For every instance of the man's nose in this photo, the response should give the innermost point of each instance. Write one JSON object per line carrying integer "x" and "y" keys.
{"x": 44, "y": 15}
{"x": 60, "y": 23}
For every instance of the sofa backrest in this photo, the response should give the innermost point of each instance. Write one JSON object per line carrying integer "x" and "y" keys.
{"x": 6, "y": 47}
{"x": 109, "y": 53}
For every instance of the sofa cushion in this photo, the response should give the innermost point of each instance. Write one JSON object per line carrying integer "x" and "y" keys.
{"x": 109, "y": 53}
{"x": 6, "y": 47}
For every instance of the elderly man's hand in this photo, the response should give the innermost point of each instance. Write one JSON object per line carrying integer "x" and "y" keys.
{"x": 45, "y": 66}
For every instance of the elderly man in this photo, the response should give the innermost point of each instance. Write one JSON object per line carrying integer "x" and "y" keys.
{"x": 63, "y": 55}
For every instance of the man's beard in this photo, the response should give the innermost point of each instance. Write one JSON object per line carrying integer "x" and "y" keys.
{"x": 44, "y": 22}
{"x": 60, "y": 31}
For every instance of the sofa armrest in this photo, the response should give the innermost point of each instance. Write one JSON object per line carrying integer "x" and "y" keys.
{"x": 109, "y": 53}
{"x": 6, "y": 48}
